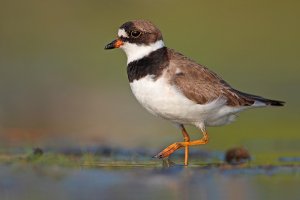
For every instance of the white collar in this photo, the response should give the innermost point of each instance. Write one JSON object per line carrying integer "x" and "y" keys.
{"x": 136, "y": 52}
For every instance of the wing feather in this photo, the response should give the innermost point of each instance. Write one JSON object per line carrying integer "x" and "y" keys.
{"x": 201, "y": 85}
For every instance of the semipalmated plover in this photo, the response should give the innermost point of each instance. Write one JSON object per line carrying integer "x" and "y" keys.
{"x": 176, "y": 88}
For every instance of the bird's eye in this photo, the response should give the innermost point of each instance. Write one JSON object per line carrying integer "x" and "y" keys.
{"x": 135, "y": 34}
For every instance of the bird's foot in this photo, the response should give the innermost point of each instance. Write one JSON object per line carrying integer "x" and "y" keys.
{"x": 169, "y": 150}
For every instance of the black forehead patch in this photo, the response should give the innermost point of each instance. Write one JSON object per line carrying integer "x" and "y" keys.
{"x": 128, "y": 26}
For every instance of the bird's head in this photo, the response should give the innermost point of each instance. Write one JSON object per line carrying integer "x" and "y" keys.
{"x": 138, "y": 39}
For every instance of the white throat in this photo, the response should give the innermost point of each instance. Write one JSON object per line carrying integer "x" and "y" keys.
{"x": 136, "y": 52}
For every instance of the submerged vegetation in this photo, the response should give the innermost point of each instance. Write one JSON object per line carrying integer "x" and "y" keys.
{"x": 124, "y": 158}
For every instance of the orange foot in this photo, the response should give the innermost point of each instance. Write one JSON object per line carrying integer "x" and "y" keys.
{"x": 177, "y": 145}
{"x": 169, "y": 150}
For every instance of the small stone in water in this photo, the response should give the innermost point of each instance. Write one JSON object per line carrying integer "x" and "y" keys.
{"x": 38, "y": 151}
{"x": 237, "y": 155}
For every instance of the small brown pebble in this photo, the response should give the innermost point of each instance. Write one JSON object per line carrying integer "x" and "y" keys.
{"x": 237, "y": 155}
{"x": 38, "y": 151}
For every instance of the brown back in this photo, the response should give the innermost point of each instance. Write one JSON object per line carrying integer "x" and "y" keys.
{"x": 199, "y": 84}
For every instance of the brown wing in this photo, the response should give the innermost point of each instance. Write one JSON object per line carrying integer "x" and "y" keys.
{"x": 201, "y": 85}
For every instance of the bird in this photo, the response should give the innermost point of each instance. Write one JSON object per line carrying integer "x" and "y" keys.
{"x": 176, "y": 88}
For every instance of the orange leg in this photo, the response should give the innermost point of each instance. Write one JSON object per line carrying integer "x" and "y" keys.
{"x": 186, "y": 138}
{"x": 177, "y": 145}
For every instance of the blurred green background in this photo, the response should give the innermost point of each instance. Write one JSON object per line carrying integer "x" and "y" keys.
{"x": 58, "y": 86}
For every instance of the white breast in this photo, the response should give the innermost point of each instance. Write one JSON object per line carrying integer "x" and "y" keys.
{"x": 164, "y": 100}
{"x": 158, "y": 97}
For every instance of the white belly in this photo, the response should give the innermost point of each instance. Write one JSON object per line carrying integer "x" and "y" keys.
{"x": 164, "y": 100}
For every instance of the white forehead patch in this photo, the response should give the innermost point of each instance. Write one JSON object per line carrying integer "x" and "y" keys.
{"x": 122, "y": 33}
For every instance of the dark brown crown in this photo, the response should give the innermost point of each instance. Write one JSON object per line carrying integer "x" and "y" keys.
{"x": 149, "y": 33}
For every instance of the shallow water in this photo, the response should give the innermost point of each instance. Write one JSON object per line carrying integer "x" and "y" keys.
{"x": 149, "y": 181}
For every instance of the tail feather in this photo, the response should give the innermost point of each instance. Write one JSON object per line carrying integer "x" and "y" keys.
{"x": 271, "y": 102}
{"x": 268, "y": 102}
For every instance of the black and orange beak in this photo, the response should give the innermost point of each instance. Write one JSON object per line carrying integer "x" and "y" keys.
{"x": 114, "y": 44}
